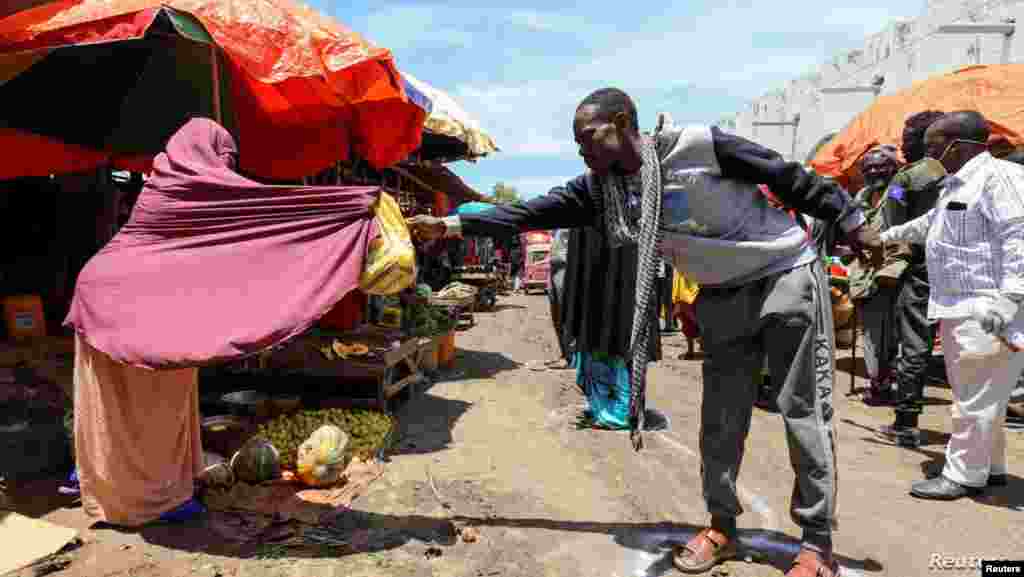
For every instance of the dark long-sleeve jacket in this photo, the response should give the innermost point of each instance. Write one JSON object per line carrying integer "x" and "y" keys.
{"x": 574, "y": 205}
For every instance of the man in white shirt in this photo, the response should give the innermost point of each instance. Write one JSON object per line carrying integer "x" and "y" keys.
{"x": 974, "y": 246}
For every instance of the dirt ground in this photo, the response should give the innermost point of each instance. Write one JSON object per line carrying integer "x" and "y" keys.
{"x": 497, "y": 440}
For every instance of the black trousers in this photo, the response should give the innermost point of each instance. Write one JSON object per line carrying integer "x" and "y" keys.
{"x": 917, "y": 337}
{"x": 556, "y": 298}
{"x": 665, "y": 298}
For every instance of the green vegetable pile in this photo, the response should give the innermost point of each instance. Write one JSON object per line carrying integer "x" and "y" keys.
{"x": 428, "y": 320}
{"x": 367, "y": 431}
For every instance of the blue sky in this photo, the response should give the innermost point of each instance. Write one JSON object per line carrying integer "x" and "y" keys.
{"x": 521, "y": 68}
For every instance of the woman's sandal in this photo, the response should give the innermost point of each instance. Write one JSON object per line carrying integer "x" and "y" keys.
{"x": 700, "y": 554}
{"x": 810, "y": 564}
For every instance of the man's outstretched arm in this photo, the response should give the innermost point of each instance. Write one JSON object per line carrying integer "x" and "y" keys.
{"x": 568, "y": 206}
{"x": 794, "y": 185}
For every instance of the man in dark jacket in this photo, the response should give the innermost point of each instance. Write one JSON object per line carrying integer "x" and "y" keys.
{"x": 915, "y": 190}
{"x": 763, "y": 291}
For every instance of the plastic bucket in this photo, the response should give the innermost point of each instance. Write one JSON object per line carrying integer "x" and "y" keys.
{"x": 429, "y": 356}
{"x": 446, "y": 354}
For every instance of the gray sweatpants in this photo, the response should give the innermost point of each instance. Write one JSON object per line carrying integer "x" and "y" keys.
{"x": 786, "y": 319}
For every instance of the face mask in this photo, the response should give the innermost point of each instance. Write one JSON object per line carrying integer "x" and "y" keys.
{"x": 956, "y": 142}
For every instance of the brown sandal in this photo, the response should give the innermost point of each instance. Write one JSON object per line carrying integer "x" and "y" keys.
{"x": 810, "y": 564}
{"x": 707, "y": 549}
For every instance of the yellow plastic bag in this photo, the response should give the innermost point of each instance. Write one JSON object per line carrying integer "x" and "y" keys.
{"x": 684, "y": 290}
{"x": 390, "y": 265}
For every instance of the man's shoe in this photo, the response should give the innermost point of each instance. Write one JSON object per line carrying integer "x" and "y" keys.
{"x": 998, "y": 480}
{"x": 942, "y": 489}
{"x": 908, "y": 437}
{"x": 709, "y": 548}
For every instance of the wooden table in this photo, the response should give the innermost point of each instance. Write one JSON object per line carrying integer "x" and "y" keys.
{"x": 391, "y": 372}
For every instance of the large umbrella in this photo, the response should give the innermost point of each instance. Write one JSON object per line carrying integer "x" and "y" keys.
{"x": 83, "y": 82}
{"x": 995, "y": 91}
{"x": 448, "y": 119}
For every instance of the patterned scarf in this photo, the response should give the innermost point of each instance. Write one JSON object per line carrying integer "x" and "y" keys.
{"x": 625, "y": 229}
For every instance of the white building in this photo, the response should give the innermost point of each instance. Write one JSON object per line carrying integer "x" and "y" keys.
{"x": 823, "y": 101}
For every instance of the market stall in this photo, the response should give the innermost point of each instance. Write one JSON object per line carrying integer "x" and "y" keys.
{"x": 374, "y": 348}
{"x": 64, "y": 200}
{"x": 366, "y": 352}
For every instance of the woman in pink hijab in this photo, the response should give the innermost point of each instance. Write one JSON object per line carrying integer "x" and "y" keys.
{"x": 211, "y": 267}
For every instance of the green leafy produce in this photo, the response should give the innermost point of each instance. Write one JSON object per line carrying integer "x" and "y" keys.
{"x": 367, "y": 431}
{"x": 428, "y": 320}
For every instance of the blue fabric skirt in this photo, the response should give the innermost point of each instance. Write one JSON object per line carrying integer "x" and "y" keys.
{"x": 605, "y": 381}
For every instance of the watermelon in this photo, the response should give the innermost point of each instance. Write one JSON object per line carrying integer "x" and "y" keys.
{"x": 423, "y": 291}
{"x": 256, "y": 462}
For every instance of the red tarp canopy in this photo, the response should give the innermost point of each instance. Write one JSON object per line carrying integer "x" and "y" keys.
{"x": 995, "y": 91}
{"x": 305, "y": 89}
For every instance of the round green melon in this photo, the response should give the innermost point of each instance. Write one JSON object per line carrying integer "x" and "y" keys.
{"x": 256, "y": 462}
{"x": 423, "y": 291}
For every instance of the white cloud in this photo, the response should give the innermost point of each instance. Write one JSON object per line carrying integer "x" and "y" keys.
{"x": 545, "y": 147}
{"x": 406, "y": 26}
{"x": 545, "y": 21}
{"x": 735, "y": 48}
{"x": 525, "y": 119}
{"x": 528, "y": 187}
{"x": 537, "y": 186}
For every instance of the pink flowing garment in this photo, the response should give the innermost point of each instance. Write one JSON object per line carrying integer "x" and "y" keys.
{"x": 213, "y": 266}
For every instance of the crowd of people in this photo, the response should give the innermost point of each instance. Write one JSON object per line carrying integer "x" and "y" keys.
{"x": 673, "y": 224}
{"x": 936, "y": 210}
{"x": 757, "y": 294}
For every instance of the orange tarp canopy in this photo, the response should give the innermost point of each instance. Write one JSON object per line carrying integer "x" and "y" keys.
{"x": 995, "y": 91}
{"x": 306, "y": 89}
